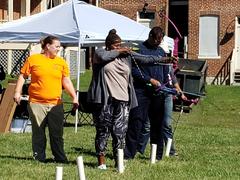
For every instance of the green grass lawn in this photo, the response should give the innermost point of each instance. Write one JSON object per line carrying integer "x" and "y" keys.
{"x": 207, "y": 141}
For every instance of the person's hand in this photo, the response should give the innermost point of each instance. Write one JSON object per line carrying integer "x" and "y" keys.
{"x": 155, "y": 82}
{"x": 183, "y": 97}
{"x": 74, "y": 109}
{"x": 17, "y": 97}
{"x": 75, "y": 101}
{"x": 124, "y": 50}
{"x": 173, "y": 59}
{"x": 135, "y": 49}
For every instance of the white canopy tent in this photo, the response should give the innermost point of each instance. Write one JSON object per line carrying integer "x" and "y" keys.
{"x": 74, "y": 23}
{"x": 71, "y": 20}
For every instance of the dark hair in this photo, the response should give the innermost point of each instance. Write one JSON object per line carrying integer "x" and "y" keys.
{"x": 112, "y": 38}
{"x": 47, "y": 40}
{"x": 155, "y": 31}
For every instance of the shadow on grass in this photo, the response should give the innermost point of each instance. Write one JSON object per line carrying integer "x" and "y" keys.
{"x": 48, "y": 160}
{"x": 81, "y": 150}
{"x": 69, "y": 124}
{"x": 89, "y": 152}
{"x": 17, "y": 158}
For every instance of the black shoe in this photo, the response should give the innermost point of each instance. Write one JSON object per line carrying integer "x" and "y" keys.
{"x": 39, "y": 159}
{"x": 175, "y": 154}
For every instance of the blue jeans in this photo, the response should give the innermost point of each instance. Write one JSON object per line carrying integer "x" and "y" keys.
{"x": 151, "y": 108}
{"x": 167, "y": 121}
{"x": 144, "y": 137}
{"x": 166, "y": 128}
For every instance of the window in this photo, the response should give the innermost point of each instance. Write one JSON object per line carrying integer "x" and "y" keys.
{"x": 52, "y": 3}
{"x": 208, "y": 36}
{"x": 146, "y": 18}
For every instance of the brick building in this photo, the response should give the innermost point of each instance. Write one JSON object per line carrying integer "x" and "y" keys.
{"x": 207, "y": 27}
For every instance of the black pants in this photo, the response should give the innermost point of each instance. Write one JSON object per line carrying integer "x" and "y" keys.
{"x": 51, "y": 116}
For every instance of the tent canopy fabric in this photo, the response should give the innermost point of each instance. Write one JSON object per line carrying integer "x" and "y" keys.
{"x": 72, "y": 21}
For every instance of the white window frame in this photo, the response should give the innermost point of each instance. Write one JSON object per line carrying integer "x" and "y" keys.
{"x": 146, "y": 22}
{"x": 209, "y": 37}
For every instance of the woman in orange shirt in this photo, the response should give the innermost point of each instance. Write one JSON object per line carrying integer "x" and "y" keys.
{"x": 49, "y": 73}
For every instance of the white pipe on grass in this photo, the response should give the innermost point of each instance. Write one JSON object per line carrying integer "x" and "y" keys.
{"x": 169, "y": 143}
{"x": 59, "y": 172}
{"x": 80, "y": 165}
{"x": 120, "y": 161}
{"x": 153, "y": 153}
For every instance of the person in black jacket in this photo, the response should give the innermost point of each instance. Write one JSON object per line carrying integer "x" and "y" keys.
{"x": 153, "y": 115}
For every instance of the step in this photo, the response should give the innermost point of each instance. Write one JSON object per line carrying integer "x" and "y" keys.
{"x": 237, "y": 76}
{"x": 236, "y": 79}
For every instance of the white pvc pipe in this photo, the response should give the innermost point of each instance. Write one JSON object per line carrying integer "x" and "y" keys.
{"x": 80, "y": 165}
{"x": 153, "y": 153}
{"x": 78, "y": 79}
{"x": 169, "y": 143}
{"x": 120, "y": 161}
{"x": 59, "y": 172}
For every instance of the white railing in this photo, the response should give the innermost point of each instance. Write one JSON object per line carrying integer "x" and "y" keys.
{"x": 235, "y": 62}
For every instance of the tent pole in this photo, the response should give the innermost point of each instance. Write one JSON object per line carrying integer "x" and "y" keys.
{"x": 78, "y": 80}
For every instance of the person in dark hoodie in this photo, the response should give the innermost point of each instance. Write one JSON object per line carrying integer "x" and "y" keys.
{"x": 152, "y": 118}
{"x": 112, "y": 93}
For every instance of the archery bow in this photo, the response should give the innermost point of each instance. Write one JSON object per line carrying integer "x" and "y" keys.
{"x": 161, "y": 14}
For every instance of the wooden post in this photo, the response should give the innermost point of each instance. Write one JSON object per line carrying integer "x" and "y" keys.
{"x": 7, "y": 108}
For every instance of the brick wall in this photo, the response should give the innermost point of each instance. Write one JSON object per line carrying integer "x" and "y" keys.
{"x": 16, "y": 9}
{"x": 35, "y": 6}
{"x": 227, "y": 11}
{"x": 3, "y": 10}
{"x": 130, "y": 8}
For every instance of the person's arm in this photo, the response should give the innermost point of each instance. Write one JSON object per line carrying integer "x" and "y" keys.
{"x": 103, "y": 55}
{"x": 151, "y": 59}
{"x": 68, "y": 86}
{"x": 18, "y": 89}
{"x": 176, "y": 85}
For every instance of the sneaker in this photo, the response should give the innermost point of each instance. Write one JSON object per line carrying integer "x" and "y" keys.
{"x": 102, "y": 167}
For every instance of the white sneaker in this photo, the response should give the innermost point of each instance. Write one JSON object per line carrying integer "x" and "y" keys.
{"x": 102, "y": 167}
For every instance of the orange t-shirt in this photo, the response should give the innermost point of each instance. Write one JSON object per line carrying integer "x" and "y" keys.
{"x": 46, "y": 78}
